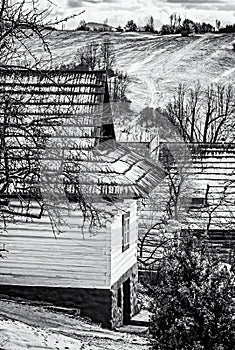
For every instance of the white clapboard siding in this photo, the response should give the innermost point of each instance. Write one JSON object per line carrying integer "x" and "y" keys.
{"x": 123, "y": 261}
{"x": 75, "y": 258}
{"x": 27, "y": 280}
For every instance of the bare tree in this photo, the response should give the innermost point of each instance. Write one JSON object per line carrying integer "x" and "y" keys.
{"x": 179, "y": 20}
{"x": 101, "y": 55}
{"x": 37, "y": 173}
{"x": 166, "y": 209}
{"x": 22, "y": 26}
{"x": 89, "y": 56}
{"x": 149, "y": 27}
{"x": 24, "y": 132}
{"x": 96, "y": 55}
{"x": 218, "y": 24}
{"x": 203, "y": 115}
{"x": 19, "y": 22}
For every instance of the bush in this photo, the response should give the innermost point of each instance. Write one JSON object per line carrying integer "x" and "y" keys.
{"x": 192, "y": 299}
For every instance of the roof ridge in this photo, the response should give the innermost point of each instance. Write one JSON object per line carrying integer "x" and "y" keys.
{"x": 18, "y": 69}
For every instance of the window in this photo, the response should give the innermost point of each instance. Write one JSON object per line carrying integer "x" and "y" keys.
{"x": 125, "y": 231}
{"x": 198, "y": 203}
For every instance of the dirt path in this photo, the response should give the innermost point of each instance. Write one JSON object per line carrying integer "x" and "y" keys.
{"x": 24, "y": 326}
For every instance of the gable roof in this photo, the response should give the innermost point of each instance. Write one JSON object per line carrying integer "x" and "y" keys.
{"x": 209, "y": 170}
{"x": 214, "y": 178}
{"x": 214, "y": 173}
{"x": 71, "y": 113}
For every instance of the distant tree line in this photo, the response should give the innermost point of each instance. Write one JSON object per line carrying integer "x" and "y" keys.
{"x": 230, "y": 28}
{"x": 131, "y": 26}
{"x": 185, "y": 27}
{"x": 176, "y": 25}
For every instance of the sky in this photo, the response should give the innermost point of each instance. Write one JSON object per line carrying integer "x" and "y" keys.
{"x": 117, "y": 12}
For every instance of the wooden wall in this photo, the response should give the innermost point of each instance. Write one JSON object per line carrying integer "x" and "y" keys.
{"x": 74, "y": 259}
{"x": 123, "y": 261}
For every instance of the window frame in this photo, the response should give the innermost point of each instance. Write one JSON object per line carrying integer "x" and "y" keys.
{"x": 125, "y": 231}
{"x": 198, "y": 203}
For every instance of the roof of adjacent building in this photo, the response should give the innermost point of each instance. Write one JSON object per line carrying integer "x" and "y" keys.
{"x": 208, "y": 172}
{"x": 211, "y": 172}
{"x": 61, "y": 116}
{"x": 210, "y": 168}
{"x": 213, "y": 168}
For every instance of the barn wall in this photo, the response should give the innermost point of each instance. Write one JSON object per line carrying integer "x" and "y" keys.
{"x": 123, "y": 261}
{"x": 77, "y": 258}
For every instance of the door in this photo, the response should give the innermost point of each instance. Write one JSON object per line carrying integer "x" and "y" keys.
{"x": 126, "y": 302}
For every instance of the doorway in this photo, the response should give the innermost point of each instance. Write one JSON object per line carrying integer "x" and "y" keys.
{"x": 126, "y": 302}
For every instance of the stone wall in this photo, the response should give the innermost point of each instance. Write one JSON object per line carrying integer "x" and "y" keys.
{"x": 117, "y": 305}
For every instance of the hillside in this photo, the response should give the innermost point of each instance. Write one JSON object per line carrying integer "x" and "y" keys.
{"x": 155, "y": 63}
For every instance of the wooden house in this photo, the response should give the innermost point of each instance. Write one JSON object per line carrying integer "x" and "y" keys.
{"x": 92, "y": 267}
{"x": 212, "y": 206}
{"x": 208, "y": 206}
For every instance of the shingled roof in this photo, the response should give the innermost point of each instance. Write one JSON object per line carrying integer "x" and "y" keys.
{"x": 208, "y": 173}
{"x": 214, "y": 173}
{"x": 211, "y": 172}
{"x": 69, "y": 111}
